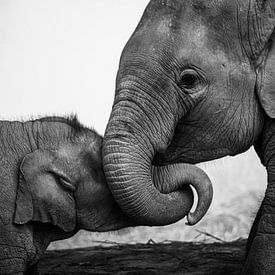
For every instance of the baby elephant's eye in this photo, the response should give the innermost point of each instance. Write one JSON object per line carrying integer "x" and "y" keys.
{"x": 66, "y": 183}
{"x": 190, "y": 80}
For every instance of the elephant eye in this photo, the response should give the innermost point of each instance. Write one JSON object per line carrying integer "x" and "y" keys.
{"x": 66, "y": 184}
{"x": 189, "y": 80}
{"x": 64, "y": 181}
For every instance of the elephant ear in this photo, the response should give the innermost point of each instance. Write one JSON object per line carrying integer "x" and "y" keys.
{"x": 266, "y": 81}
{"x": 43, "y": 195}
{"x": 261, "y": 40}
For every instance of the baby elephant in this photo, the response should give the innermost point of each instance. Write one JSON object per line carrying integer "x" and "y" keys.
{"x": 52, "y": 184}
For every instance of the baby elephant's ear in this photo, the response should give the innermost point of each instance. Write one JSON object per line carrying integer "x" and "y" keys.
{"x": 42, "y": 195}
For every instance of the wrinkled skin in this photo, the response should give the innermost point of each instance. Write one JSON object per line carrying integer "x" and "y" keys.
{"x": 195, "y": 83}
{"x": 52, "y": 184}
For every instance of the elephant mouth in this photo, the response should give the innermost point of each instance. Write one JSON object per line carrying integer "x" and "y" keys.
{"x": 173, "y": 155}
{"x": 169, "y": 157}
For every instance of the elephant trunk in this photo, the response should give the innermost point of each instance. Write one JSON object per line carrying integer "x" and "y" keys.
{"x": 149, "y": 195}
{"x": 177, "y": 176}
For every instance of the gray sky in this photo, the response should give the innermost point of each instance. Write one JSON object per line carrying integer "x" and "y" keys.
{"x": 61, "y": 56}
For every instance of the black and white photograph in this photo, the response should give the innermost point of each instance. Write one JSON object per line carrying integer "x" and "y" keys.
{"x": 137, "y": 137}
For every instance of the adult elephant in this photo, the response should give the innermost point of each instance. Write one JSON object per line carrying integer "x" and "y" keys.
{"x": 195, "y": 83}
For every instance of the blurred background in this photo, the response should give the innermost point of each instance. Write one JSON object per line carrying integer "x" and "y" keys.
{"x": 59, "y": 57}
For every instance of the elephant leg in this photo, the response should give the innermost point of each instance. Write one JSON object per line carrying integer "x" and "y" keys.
{"x": 261, "y": 251}
{"x": 253, "y": 231}
{"x": 13, "y": 256}
{"x": 16, "y": 250}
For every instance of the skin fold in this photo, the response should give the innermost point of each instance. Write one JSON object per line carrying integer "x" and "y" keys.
{"x": 195, "y": 83}
{"x": 52, "y": 184}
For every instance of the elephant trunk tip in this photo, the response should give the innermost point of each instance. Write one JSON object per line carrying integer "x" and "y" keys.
{"x": 205, "y": 191}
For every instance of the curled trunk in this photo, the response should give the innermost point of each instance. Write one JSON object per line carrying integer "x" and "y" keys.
{"x": 157, "y": 196}
{"x": 177, "y": 178}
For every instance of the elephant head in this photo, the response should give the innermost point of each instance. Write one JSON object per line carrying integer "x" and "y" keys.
{"x": 194, "y": 83}
{"x": 52, "y": 184}
{"x": 62, "y": 183}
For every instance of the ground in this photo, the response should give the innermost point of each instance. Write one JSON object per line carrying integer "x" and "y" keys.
{"x": 151, "y": 258}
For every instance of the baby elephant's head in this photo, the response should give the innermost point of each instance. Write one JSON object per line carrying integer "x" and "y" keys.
{"x": 62, "y": 183}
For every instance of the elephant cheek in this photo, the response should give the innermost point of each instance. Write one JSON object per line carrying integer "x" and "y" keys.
{"x": 85, "y": 207}
{"x": 92, "y": 203}
{"x": 86, "y": 220}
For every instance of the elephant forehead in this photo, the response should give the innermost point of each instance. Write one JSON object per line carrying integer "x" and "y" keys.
{"x": 88, "y": 143}
{"x": 196, "y": 31}
{"x": 204, "y": 48}
{"x": 164, "y": 14}
{"x": 198, "y": 52}
{"x": 164, "y": 26}
{"x": 197, "y": 34}
{"x": 80, "y": 156}
{"x": 168, "y": 5}
{"x": 211, "y": 24}
{"x": 69, "y": 151}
